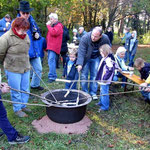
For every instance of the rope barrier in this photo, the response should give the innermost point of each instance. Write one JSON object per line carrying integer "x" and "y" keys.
{"x": 44, "y": 84}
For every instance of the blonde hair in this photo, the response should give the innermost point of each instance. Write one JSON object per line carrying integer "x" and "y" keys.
{"x": 106, "y": 49}
{"x": 139, "y": 62}
{"x": 121, "y": 49}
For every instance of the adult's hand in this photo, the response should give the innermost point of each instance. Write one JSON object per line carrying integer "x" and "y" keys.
{"x": 48, "y": 23}
{"x": 5, "y": 88}
{"x": 79, "y": 68}
{"x": 37, "y": 35}
{"x": 143, "y": 85}
{"x": 147, "y": 89}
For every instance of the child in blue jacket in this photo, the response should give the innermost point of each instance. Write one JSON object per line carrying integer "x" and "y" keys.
{"x": 105, "y": 74}
{"x": 70, "y": 71}
{"x": 144, "y": 69}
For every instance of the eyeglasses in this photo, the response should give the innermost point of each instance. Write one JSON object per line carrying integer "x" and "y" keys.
{"x": 27, "y": 13}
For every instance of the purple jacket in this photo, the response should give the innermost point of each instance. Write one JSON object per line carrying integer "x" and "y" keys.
{"x": 106, "y": 70}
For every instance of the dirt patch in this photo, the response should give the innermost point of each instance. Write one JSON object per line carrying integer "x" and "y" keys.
{"x": 140, "y": 46}
{"x": 45, "y": 125}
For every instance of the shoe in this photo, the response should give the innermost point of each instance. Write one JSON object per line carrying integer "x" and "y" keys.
{"x": 38, "y": 88}
{"x": 94, "y": 97}
{"x": 26, "y": 109}
{"x": 98, "y": 104}
{"x": 21, "y": 114}
{"x": 50, "y": 80}
{"x": 101, "y": 110}
{"x": 20, "y": 140}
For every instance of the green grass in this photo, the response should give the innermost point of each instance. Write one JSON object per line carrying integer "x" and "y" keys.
{"x": 126, "y": 126}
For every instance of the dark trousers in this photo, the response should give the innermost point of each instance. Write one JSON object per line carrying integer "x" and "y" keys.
{"x": 5, "y": 125}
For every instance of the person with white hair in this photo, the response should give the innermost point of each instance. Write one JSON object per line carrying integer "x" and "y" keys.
{"x": 89, "y": 57}
{"x": 75, "y": 36}
{"x": 119, "y": 59}
{"x": 54, "y": 42}
{"x": 81, "y": 33}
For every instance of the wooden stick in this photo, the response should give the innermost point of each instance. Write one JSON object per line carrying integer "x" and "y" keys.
{"x": 63, "y": 80}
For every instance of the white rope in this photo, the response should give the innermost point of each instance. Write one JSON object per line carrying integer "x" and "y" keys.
{"x": 44, "y": 84}
{"x": 3, "y": 100}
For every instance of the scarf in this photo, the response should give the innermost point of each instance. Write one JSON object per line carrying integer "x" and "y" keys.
{"x": 20, "y": 36}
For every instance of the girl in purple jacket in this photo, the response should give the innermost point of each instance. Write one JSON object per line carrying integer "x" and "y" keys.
{"x": 105, "y": 75}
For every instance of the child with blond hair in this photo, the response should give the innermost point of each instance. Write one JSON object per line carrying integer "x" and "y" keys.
{"x": 105, "y": 74}
{"x": 70, "y": 71}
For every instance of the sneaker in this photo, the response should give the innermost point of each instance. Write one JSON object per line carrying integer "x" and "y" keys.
{"x": 26, "y": 109}
{"x": 20, "y": 139}
{"x": 94, "y": 97}
{"x": 98, "y": 104}
{"x": 21, "y": 114}
{"x": 38, "y": 88}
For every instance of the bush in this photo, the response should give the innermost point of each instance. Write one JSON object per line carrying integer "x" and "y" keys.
{"x": 116, "y": 39}
{"x": 144, "y": 39}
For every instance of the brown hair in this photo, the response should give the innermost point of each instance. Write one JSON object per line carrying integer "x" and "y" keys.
{"x": 106, "y": 49}
{"x": 20, "y": 23}
{"x": 139, "y": 62}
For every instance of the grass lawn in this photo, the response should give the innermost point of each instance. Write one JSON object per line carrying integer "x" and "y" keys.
{"x": 126, "y": 126}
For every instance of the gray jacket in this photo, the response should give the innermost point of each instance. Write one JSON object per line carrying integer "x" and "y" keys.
{"x": 86, "y": 47}
{"x": 14, "y": 52}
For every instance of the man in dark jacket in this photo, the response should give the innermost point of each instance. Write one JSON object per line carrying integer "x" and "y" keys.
{"x": 64, "y": 48}
{"x": 89, "y": 58}
{"x": 109, "y": 34}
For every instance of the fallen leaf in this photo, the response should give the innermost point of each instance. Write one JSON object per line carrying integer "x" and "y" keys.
{"x": 111, "y": 146}
{"x": 140, "y": 142}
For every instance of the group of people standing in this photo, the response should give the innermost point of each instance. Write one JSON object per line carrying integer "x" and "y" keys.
{"x": 93, "y": 56}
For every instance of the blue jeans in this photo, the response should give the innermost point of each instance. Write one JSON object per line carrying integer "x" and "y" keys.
{"x": 18, "y": 81}
{"x": 92, "y": 67}
{"x": 119, "y": 75}
{"x": 52, "y": 65}
{"x": 104, "y": 100}
{"x": 37, "y": 66}
{"x": 126, "y": 56}
{"x": 131, "y": 57}
{"x": 5, "y": 125}
{"x": 146, "y": 95}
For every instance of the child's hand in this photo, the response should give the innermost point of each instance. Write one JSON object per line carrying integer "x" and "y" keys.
{"x": 63, "y": 77}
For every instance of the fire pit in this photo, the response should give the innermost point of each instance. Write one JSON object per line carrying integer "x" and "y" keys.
{"x": 66, "y": 110}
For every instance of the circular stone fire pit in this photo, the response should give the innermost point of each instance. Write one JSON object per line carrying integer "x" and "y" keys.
{"x": 66, "y": 111}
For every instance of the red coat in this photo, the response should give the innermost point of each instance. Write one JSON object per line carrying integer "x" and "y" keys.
{"x": 54, "y": 37}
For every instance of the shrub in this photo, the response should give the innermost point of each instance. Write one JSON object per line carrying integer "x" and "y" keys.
{"x": 116, "y": 39}
{"x": 144, "y": 39}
